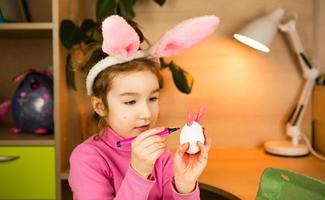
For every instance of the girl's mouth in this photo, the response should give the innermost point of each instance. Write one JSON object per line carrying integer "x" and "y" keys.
{"x": 143, "y": 128}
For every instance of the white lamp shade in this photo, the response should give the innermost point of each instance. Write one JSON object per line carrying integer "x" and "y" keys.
{"x": 260, "y": 32}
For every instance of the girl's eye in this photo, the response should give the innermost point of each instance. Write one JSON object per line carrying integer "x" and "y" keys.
{"x": 153, "y": 99}
{"x": 130, "y": 102}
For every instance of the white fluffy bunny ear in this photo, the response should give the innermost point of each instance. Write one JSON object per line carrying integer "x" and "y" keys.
{"x": 119, "y": 38}
{"x": 185, "y": 35}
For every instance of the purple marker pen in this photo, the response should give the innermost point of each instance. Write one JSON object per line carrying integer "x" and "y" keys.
{"x": 166, "y": 131}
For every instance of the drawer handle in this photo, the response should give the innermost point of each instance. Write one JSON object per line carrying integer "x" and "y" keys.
{"x": 8, "y": 158}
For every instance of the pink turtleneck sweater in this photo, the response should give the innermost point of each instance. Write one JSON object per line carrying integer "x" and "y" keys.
{"x": 100, "y": 170}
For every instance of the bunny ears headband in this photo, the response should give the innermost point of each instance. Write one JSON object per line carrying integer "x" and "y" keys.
{"x": 121, "y": 42}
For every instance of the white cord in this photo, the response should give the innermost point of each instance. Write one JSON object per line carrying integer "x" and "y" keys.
{"x": 316, "y": 154}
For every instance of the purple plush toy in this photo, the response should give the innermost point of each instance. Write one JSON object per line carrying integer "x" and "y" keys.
{"x": 32, "y": 103}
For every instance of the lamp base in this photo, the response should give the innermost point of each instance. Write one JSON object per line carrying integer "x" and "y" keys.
{"x": 285, "y": 148}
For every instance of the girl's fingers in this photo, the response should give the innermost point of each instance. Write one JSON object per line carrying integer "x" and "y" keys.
{"x": 156, "y": 154}
{"x": 207, "y": 140}
{"x": 151, "y": 140}
{"x": 200, "y": 115}
{"x": 148, "y": 133}
{"x": 182, "y": 149}
{"x": 154, "y": 147}
{"x": 189, "y": 118}
{"x": 204, "y": 151}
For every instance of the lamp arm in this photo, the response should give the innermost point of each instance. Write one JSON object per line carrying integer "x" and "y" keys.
{"x": 307, "y": 68}
{"x": 294, "y": 122}
{"x": 309, "y": 73}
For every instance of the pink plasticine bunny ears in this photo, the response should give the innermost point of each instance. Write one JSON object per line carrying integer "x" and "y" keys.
{"x": 121, "y": 42}
{"x": 198, "y": 119}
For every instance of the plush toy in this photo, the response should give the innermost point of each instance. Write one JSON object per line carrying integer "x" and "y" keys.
{"x": 32, "y": 103}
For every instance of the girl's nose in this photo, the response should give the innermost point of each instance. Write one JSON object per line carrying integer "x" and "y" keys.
{"x": 145, "y": 112}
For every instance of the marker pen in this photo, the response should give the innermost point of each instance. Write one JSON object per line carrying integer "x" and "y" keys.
{"x": 166, "y": 131}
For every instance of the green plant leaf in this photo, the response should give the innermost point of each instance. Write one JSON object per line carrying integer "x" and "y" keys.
{"x": 97, "y": 36}
{"x": 88, "y": 25}
{"x": 126, "y": 9}
{"x": 161, "y": 82}
{"x": 160, "y": 2}
{"x": 70, "y": 34}
{"x": 91, "y": 31}
{"x": 320, "y": 80}
{"x": 163, "y": 63}
{"x": 182, "y": 79}
{"x": 105, "y": 8}
{"x": 70, "y": 73}
{"x": 92, "y": 53}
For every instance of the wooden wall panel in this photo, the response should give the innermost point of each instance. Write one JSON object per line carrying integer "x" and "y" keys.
{"x": 320, "y": 34}
{"x": 70, "y": 124}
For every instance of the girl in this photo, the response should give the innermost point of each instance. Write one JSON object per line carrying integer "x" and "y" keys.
{"x": 124, "y": 89}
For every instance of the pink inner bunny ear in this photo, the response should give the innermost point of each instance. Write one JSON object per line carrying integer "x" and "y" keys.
{"x": 189, "y": 117}
{"x": 185, "y": 35}
{"x": 200, "y": 115}
{"x": 119, "y": 38}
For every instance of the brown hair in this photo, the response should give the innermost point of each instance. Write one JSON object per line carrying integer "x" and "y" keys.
{"x": 103, "y": 82}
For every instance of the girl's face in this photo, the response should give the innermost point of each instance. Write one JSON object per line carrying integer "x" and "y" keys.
{"x": 133, "y": 102}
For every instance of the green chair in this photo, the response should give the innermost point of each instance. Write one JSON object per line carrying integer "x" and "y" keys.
{"x": 283, "y": 184}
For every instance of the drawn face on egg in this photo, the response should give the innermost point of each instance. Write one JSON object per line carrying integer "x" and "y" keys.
{"x": 192, "y": 134}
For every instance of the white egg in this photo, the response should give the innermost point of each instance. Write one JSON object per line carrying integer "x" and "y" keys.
{"x": 192, "y": 134}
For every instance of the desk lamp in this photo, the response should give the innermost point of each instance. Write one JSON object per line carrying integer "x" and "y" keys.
{"x": 259, "y": 34}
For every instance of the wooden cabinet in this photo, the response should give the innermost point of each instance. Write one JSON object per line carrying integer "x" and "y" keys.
{"x": 29, "y": 162}
{"x": 37, "y": 45}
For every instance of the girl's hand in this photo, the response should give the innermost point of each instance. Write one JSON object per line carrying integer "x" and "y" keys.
{"x": 188, "y": 167}
{"x": 146, "y": 149}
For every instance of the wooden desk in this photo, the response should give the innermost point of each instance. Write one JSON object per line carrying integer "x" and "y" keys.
{"x": 238, "y": 170}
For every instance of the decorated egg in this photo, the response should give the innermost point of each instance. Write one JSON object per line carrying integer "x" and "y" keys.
{"x": 192, "y": 134}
